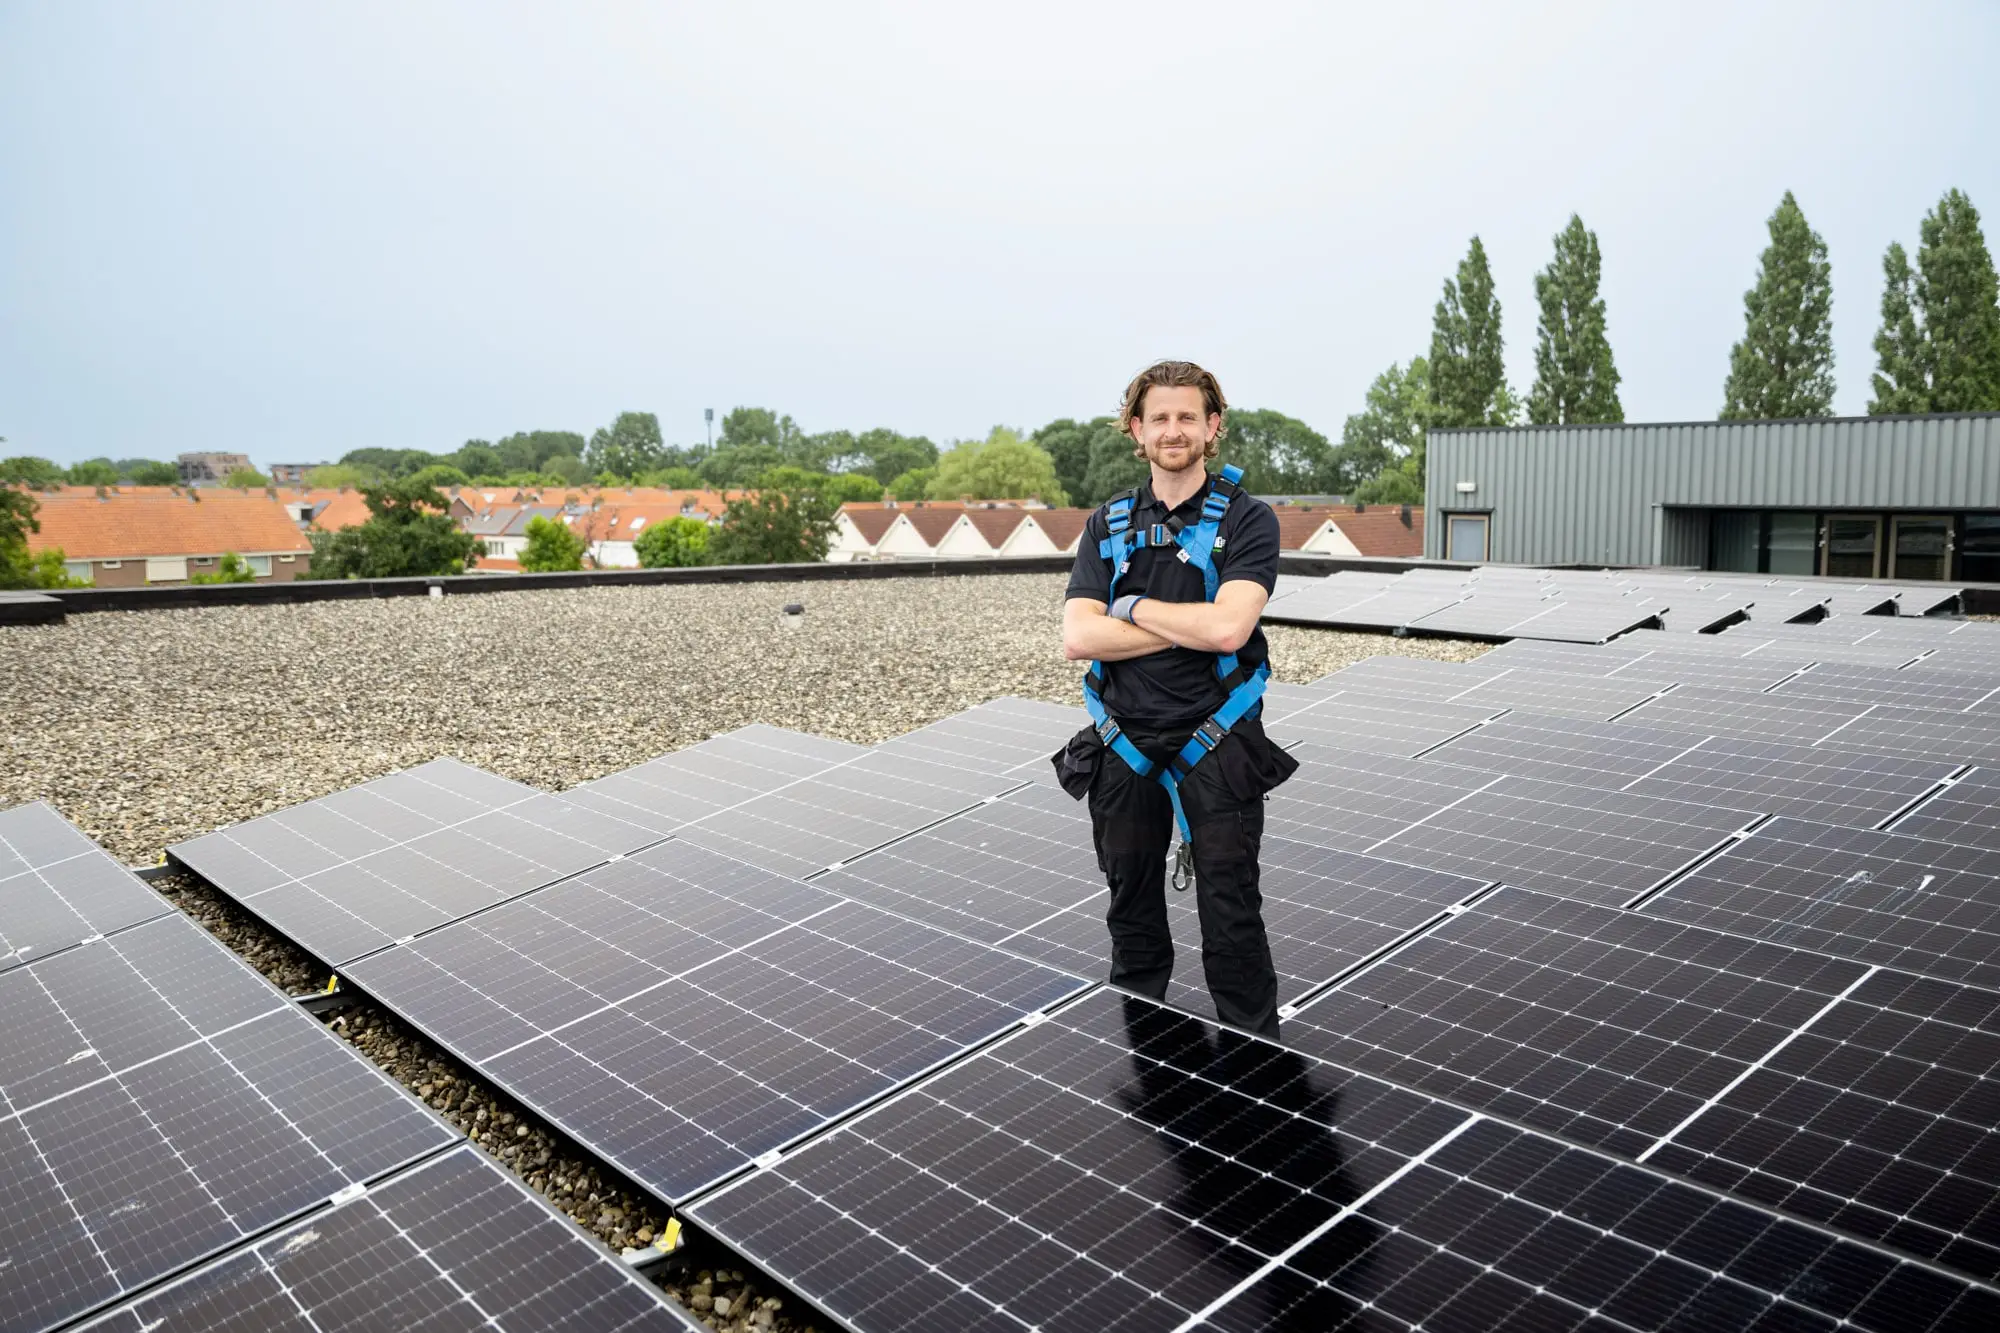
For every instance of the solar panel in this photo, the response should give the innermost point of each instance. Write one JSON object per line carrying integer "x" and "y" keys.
{"x": 1749, "y": 673}
{"x": 1575, "y": 659}
{"x": 1407, "y": 677}
{"x": 718, "y": 1049}
{"x": 1391, "y": 608}
{"x": 58, "y": 888}
{"x": 1552, "y": 617}
{"x": 1949, "y": 691}
{"x": 1347, "y": 800}
{"x": 665, "y": 793}
{"x": 993, "y": 737}
{"x": 1811, "y": 782}
{"x": 836, "y": 815}
{"x": 1965, "y": 811}
{"x": 1377, "y": 724}
{"x": 1888, "y": 898}
{"x": 453, "y": 1243}
{"x": 160, "y": 1102}
{"x": 1608, "y": 755}
{"x": 1587, "y": 697}
{"x": 1602, "y": 847}
{"x": 1742, "y": 714}
{"x": 1122, "y": 1167}
{"x": 459, "y": 841}
{"x": 1968, "y": 738}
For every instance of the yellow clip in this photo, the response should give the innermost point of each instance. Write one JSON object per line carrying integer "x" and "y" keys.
{"x": 332, "y": 984}
{"x": 670, "y": 1236}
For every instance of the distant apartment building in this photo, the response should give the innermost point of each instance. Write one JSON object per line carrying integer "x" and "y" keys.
{"x": 209, "y": 469}
{"x": 131, "y": 540}
{"x": 291, "y": 474}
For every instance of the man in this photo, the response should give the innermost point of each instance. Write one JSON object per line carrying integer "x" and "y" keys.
{"x": 1164, "y": 648}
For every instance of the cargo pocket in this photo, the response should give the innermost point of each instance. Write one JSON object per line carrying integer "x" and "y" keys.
{"x": 1251, "y": 765}
{"x": 1076, "y": 762}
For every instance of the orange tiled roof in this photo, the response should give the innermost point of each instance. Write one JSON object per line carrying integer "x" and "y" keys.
{"x": 344, "y": 509}
{"x": 933, "y": 521}
{"x": 132, "y": 527}
{"x": 996, "y": 525}
{"x": 870, "y": 521}
{"x": 1296, "y": 526}
{"x": 1061, "y": 526}
{"x": 624, "y": 522}
{"x": 1380, "y": 530}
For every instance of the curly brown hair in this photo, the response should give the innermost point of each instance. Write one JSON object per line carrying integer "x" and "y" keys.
{"x": 1175, "y": 375}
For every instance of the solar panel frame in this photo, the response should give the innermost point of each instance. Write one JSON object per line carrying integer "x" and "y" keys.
{"x": 1853, "y": 788}
{"x": 1954, "y": 692}
{"x": 1965, "y": 810}
{"x": 674, "y": 789}
{"x": 415, "y": 1250}
{"x": 58, "y": 888}
{"x": 1743, "y": 715}
{"x": 1376, "y": 724}
{"x": 160, "y": 1103}
{"x": 1350, "y": 801}
{"x": 1922, "y": 733}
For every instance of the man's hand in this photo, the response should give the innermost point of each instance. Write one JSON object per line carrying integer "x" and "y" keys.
{"x": 1091, "y": 634}
{"x": 1221, "y": 626}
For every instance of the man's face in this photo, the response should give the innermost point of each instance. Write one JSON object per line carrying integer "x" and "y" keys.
{"x": 1172, "y": 428}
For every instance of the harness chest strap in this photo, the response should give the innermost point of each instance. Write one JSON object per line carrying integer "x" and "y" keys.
{"x": 1196, "y": 547}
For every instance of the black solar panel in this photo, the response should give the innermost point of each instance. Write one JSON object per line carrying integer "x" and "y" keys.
{"x": 1377, "y": 724}
{"x": 1810, "y": 782}
{"x": 1574, "y": 659}
{"x": 836, "y": 815}
{"x": 1965, "y": 811}
{"x": 1602, "y": 847}
{"x": 1561, "y": 749}
{"x": 1348, "y": 800}
{"x": 342, "y": 878}
{"x": 994, "y": 737}
{"x": 1122, "y": 1167}
{"x": 159, "y": 1102}
{"x": 1589, "y": 697}
{"x": 58, "y": 888}
{"x": 455, "y": 1243}
{"x": 1961, "y": 738}
{"x": 1908, "y": 902}
{"x": 1744, "y": 715}
{"x": 1755, "y": 673}
{"x": 665, "y": 793}
{"x": 1950, "y": 691}
{"x": 682, "y": 1028}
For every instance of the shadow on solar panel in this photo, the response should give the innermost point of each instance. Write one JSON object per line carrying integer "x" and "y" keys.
{"x": 1121, "y": 1166}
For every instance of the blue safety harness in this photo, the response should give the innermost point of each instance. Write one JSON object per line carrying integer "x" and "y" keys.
{"x": 1245, "y": 689}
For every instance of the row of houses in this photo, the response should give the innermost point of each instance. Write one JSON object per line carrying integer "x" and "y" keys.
{"x": 137, "y": 535}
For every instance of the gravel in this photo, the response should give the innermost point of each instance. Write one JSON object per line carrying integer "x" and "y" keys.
{"x": 149, "y": 728}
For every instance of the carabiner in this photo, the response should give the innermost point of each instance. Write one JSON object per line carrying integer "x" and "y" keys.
{"x": 1184, "y": 868}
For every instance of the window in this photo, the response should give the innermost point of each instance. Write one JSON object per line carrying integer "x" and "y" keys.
{"x": 166, "y": 569}
{"x": 1466, "y": 537}
{"x": 638, "y": 523}
{"x": 259, "y": 564}
{"x": 204, "y": 560}
{"x": 1793, "y": 546}
{"x": 496, "y": 548}
{"x": 1979, "y": 549}
{"x": 77, "y": 569}
{"x": 111, "y": 564}
{"x": 286, "y": 559}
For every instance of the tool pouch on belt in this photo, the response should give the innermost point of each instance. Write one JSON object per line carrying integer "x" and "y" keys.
{"x": 1250, "y": 763}
{"x": 1076, "y": 763}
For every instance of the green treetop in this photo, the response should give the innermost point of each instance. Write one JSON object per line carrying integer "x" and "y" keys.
{"x": 1468, "y": 379}
{"x": 1576, "y": 380}
{"x": 1938, "y": 349}
{"x": 551, "y": 547}
{"x": 1784, "y": 365}
{"x": 1003, "y": 466}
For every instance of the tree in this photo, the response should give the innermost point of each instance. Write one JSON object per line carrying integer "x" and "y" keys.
{"x": 145, "y": 472}
{"x": 1784, "y": 365}
{"x": 475, "y": 457}
{"x": 774, "y": 527}
{"x": 567, "y": 469}
{"x": 912, "y": 485}
{"x": 1390, "y": 486}
{"x": 246, "y": 478}
{"x": 1575, "y": 379}
{"x": 737, "y": 464}
{"x": 1389, "y": 430}
{"x": 333, "y": 476}
{"x": 408, "y": 534}
{"x": 17, "y": 520}
{"x": 552, "y": 547}
{"x": 1067, "y": 443}
{"x": 233, "y": 569}
{"x": 628, "y": 446}
{"x": 832, "y": 451}
{"x": 746, "y": 427}
{"x": 93, "y": 472}
{"x": 1003, "y": 466}
{"x": 27, "y": 470}
{"x": 673, "y": 479}
{"x": 384, "y": 464}
{"x": 891, "y": 455}
{"x": 1939, "y": 347}
{"x": 1468, "y": 377}
{"x": 1279, "y": 455}
{"x": 676, "y": 543}
{"x": 1114, "y": 466}
{"x": 440, "y": 475}
{"x": 1901, "y": 384}
{"x": 530, "y": 451}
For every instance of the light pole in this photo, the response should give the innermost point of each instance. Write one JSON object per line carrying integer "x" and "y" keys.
{"x": 708, "y": 425}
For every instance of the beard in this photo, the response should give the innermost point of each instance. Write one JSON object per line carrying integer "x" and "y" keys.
{"x": 1191, "y": 456}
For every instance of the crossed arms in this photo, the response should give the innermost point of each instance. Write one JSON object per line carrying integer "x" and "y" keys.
{"x": 1221, "y": 626}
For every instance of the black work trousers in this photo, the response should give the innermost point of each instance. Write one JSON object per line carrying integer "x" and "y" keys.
{"x": 1132, "y": 820}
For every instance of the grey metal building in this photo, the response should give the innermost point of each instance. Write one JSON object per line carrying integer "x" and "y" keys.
{"x": 1851, "y": 497}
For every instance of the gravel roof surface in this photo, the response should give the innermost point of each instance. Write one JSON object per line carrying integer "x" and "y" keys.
{"x": 149, "y": 728}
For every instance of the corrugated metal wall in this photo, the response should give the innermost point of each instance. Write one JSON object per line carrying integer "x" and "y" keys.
{"x": 1563, "y": 494}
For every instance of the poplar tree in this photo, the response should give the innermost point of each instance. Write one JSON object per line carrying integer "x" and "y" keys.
{"x": 1938, "y": 349}
{"x": 1784, "y": 365}
{"x": 1575, "y": 379}
{"x": 1468, "y": 376}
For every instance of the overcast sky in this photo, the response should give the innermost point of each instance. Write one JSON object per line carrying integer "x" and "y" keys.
{"x": 292, "y": 229}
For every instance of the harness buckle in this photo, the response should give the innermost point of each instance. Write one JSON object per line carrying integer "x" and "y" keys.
{"x": 1158, "y": 535}
{"x": 1108, "y": 730}
{"x": 1210, "y": 735}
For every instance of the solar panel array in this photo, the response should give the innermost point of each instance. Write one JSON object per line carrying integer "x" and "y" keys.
{"x": 58, "y": 888}
{"x": 163, "y": 1107}
{"x": 1646, "y": 984}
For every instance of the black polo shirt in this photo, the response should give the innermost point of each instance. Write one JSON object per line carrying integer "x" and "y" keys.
{"x": 1177, "y": 684}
